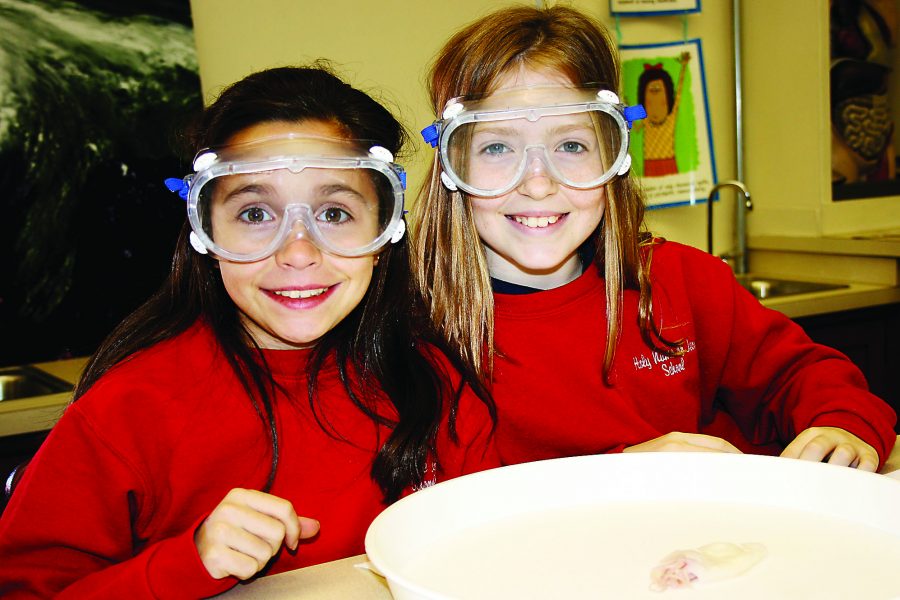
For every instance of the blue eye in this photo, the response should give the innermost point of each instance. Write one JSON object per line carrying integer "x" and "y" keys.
{"x": 496, "y": 148}
{"x": 255, "y": 214}
{"x": 574, "y": 147}
{"x": 333, "y": 215}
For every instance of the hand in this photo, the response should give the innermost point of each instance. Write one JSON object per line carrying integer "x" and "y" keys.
{"x": 834, "y": 446}
{"x": 677, "y": 441}
{"x": 684, "y": 58}
{"x": 245, "y": 530}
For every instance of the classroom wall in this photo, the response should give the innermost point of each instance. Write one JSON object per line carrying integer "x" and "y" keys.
{"x": 385, "y": 48}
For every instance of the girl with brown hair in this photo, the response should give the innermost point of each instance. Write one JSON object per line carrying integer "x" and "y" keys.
{"x": 280, "y": 389}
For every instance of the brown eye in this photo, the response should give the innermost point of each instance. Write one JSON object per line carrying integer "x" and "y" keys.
{"x": 255, "y": 215}
{"x": 333, "y": 216}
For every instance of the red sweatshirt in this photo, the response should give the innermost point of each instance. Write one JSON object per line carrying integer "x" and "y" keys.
{"x": 749, "y": 374}
{"x": 109, "y": 505}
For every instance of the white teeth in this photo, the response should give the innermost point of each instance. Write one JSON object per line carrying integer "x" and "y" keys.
{"x": 536, "y": 221}
{"x": 301, "y": 293}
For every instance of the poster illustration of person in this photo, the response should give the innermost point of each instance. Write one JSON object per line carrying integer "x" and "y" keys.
{"x": 672, "y": 147}
{"x": 661, "y": 99}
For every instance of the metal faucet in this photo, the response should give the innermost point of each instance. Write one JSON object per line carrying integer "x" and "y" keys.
{"x": 740, "y": 254}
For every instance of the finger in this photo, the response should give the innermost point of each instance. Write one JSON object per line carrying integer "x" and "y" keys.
{"x": 842, "y": 455}
{"x": 269, "y": 529}
{"x": 697, "y": 442}
{"x": 227, "y": 562}
{"x": 677, "y": 441}
{"x": 244, "y": 517}
{"x": 847, "y": 455}
{"x": 279, "y": 509}
{"x": 867, "y": 460}
{"x": 239, "y": 540}
{"x": 712, "y": 443}
{"x": 689, "y": 447}
{"x": 816, "y": 449}
{"x": 796, "y": 447}
{"x": 866, "y": 455}
{"x": 837, "y": 445}
{"x": 308, "y": 528}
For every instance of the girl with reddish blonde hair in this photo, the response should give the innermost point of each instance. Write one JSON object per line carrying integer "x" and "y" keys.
{"x": 594, "y": 335}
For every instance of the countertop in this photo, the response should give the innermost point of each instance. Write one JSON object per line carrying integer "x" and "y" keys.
{"x": 854, "y": 296}
{"x": 40, "y": 413}
{"x": 868, "y": 243}
{"x": 868, "y": 263}
{"x": 345, "y": 578}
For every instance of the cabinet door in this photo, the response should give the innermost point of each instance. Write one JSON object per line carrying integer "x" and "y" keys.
{"x": 870, "y": 337}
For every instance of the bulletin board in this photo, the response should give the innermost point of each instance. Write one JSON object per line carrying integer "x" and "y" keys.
{"x": 671, "y": 149}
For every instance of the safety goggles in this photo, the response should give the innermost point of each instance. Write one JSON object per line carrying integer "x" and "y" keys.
{"x": 245, "y": 201}
{"x": 577, "y": 136}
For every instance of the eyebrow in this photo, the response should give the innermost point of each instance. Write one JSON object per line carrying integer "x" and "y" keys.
{"x": 320, "y": 190}
{"x": 338, "y": 188}
{"x": 514, "y": 131}
{"x": 495, "y": 130}
{"x": 250, "y": 188}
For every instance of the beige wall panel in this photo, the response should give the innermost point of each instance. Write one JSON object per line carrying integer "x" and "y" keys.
{"x": 385, "y": 48}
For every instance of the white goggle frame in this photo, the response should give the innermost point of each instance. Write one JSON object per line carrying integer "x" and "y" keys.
{"x": 459, "y": 113}
{"x": 209, "y": 164}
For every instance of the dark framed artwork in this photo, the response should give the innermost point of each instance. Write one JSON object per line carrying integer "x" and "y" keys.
{"x": 671, "y": 149}
{"x": 864, "y": 60}
{"x": 652, "y": 8}
{"x": 92, "y": 97}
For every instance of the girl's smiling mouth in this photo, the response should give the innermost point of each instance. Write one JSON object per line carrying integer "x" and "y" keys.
{"x": 295, "y": 294}
{"x": 308, "y": 297}
{"x": 536, "y": 222}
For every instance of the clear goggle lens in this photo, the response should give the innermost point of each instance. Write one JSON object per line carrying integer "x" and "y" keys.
{"x": 245, "y": 210}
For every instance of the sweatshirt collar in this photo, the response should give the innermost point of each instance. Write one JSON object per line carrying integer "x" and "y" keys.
{"x": 550, "y": 301}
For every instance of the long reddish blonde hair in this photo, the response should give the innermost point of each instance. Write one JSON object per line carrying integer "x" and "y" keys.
{"x": 451, "y": 268}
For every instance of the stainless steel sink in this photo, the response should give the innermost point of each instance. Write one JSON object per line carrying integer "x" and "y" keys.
{"x": 768, "y": 287}
{"x": 28, "y": 382}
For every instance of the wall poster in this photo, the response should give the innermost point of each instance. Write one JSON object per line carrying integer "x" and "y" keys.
{"x": 652, "y": 8}
{"x": 672, "y": 148}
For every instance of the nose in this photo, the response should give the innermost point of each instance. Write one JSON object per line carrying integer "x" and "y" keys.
{"x": 298, "y": 250}
{"x": 537, "y": 182}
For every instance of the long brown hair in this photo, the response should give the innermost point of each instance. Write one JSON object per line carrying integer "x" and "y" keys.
{"x": 386, "y": 340}
{"x": 450, "y": 262}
